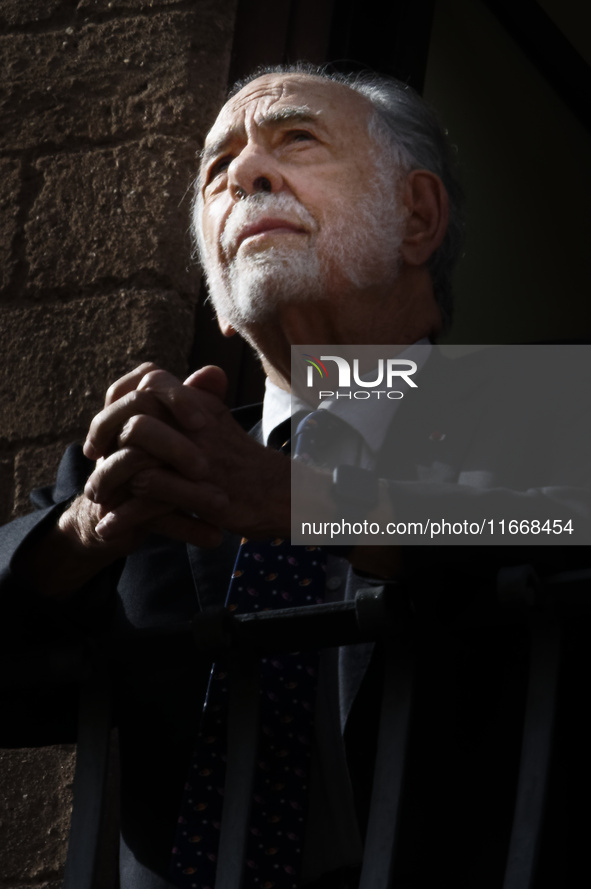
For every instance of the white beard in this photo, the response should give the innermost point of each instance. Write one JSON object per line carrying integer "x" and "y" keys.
{"x": 358, "y": 247}
{"x": 260, "y": 281}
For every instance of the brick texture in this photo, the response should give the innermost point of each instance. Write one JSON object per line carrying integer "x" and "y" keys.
{"x": 69, "y": 354}
{"x": 109, "y": 215}
{"x": 36, "y": 793}
{"x": 34, "y": 467}
{"x": 103, "y": 106}
{"x": 6, "y": 489}
{"x": 9, "y": 206}
{"x": 114, "y": 80}
{"x": 15, "y": 13}
{"x": 126, "y": 5}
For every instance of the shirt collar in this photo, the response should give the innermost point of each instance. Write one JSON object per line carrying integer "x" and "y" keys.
{"x": 277, "y": 407}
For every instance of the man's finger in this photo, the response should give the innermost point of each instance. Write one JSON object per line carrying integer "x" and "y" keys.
{"x": 158, "y": 394}
{"x": 128, "y": 383}
{"x": 146, "y": 390}
{"x": 130, "y": 515}
{"x": 187, "y": 405}
{"x": 200, "y": 497}
{"x": 210, "y": 378}
{"x": 194, "y": 402}
{"x": 166, "y": 444}
{"x": 112, "y": 473}
{"x": 104, "y": 429}
{"x": 144, "y": 443}
{"x": 156, "y": 517}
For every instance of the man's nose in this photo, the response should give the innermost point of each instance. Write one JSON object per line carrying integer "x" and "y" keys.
{"x": 253, "y": 171}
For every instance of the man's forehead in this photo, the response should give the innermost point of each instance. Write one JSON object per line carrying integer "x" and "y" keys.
{"x": 268, "y": 95}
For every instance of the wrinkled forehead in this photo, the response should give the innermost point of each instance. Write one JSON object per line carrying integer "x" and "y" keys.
{"x": 273, "y": 95}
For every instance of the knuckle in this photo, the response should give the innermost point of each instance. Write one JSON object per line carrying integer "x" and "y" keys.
{"x": 133, "y": 429}
{"x": 142, "y": 482}
{"x": 153, "y": 379}
{"x": 180, "y": 402}
{"x": 146, "y": 367}
{"x": 121, "y": 386}
{"x": 177, "y": 395}
{"x": 142, "y": 402}
{"x": 138, "y": 403}
{"x": 137, "y": 459}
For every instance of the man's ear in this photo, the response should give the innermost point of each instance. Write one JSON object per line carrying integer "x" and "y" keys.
{"x": 427, "y": 204}
{"x": 225, "y": 327}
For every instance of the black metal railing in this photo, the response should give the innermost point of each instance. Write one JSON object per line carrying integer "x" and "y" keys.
{"x": 383, "y": 615}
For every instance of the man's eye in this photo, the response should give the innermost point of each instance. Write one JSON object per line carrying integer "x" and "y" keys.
{"x": 300, "y": 136}
{"x": 220, "y": 166}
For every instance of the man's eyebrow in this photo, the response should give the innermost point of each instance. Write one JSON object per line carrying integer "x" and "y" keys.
{"x": 288, "y": 113}
{"x": 295, "y": 113}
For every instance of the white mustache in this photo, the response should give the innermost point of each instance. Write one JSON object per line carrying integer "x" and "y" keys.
{"x": 258, "y": 206}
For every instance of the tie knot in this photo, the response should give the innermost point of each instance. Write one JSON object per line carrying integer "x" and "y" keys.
{"x": 317, "y": 436}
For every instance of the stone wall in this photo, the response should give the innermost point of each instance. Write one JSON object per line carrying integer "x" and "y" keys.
{"x": 103, "y": 104}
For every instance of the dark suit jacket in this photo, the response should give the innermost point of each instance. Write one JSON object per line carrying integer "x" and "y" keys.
{"x": 465, "y": 682}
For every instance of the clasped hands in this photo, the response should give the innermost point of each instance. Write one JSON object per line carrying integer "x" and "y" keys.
{"x": 170, "y": 458}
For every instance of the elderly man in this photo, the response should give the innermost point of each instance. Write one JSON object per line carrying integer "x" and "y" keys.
{"x": 326, "y": 212}
{"x": 317, "y": 222}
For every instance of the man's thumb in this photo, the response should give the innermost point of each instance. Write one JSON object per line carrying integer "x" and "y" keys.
{"x": 209, "y": 379}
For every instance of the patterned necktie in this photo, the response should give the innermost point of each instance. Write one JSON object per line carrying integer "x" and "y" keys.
{"x": 268, "y": 575}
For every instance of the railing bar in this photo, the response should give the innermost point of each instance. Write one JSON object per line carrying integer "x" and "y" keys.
{"x": 536, "y": 750}
{"x": 243, "y": 733}
{"x": 90, "y": 779}
{"x": 383, "y": 823}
